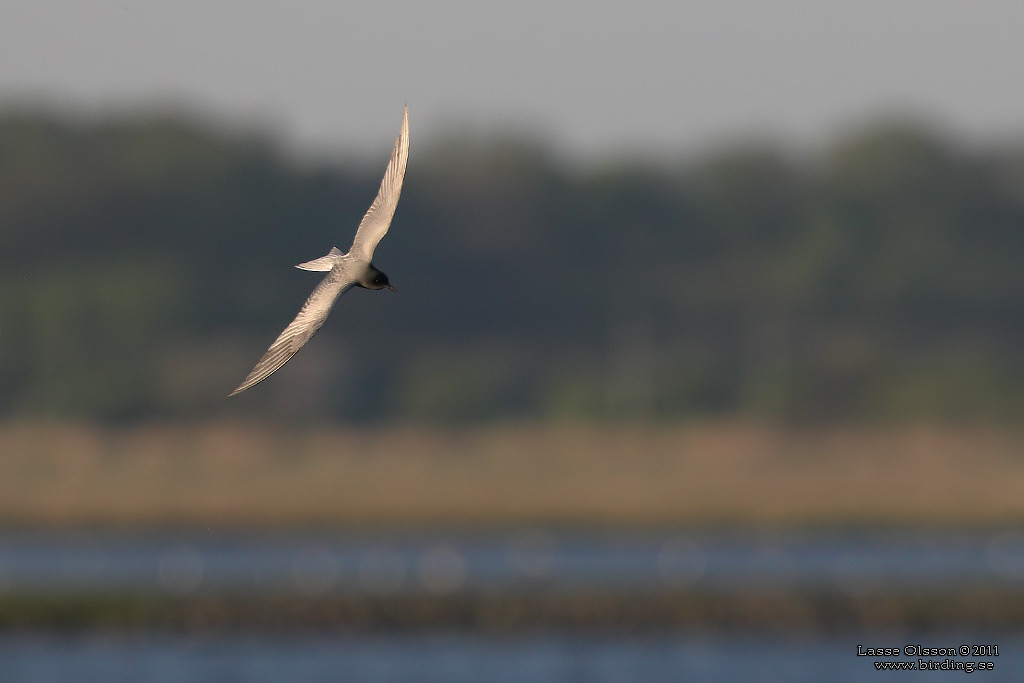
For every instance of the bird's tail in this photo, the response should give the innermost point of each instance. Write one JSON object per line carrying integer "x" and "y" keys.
{"x": 324, "y": 262}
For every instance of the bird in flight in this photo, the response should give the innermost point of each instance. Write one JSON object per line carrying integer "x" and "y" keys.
{"x": 344, "y": 271}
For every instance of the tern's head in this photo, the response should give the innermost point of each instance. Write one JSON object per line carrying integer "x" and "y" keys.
{"x": 376, "y": 279}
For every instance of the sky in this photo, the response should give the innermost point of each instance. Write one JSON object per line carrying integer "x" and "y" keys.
{"x": 652, "y": 79}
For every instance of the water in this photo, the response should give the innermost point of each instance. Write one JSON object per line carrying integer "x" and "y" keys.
{"x": 440, "y": 563}
{"x": 447, "y": 563}
{"x": 453, "y": 658}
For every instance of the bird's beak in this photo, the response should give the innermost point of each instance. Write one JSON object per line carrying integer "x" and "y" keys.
{"x": 391, "y": 288}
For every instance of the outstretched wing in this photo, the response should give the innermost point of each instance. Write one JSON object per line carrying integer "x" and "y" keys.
{"x": 311, "y": 316}
{"x": 377, "y": 220}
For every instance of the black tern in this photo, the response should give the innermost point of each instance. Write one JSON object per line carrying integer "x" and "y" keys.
{"x": 352, "y": 269}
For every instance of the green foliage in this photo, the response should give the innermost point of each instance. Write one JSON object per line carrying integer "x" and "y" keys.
{"x": 145, "y": 265}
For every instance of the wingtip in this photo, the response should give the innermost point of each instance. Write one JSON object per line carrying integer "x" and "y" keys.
{"x": 246, "y": 384}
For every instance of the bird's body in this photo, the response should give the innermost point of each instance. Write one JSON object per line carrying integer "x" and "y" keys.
{"x": 344, "y": 270}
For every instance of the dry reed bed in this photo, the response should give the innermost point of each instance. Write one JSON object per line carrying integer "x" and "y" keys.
{"x": 708, "y": 473}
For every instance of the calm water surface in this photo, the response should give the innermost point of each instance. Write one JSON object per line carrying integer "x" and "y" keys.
{"x": 446, "y": 563}
{"x": 454, "y": 658}
{"x": 441, "y": 563}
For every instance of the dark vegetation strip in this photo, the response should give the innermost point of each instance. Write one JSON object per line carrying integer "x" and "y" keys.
{"x": 755, "y": 612}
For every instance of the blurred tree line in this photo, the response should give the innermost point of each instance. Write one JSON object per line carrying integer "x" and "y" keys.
{"x": 146, "y": 264}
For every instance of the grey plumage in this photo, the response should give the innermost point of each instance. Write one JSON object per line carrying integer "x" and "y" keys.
{"x": 344, "y": 271}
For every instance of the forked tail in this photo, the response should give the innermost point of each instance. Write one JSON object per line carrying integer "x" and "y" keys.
{"x": 324, "y": 262}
